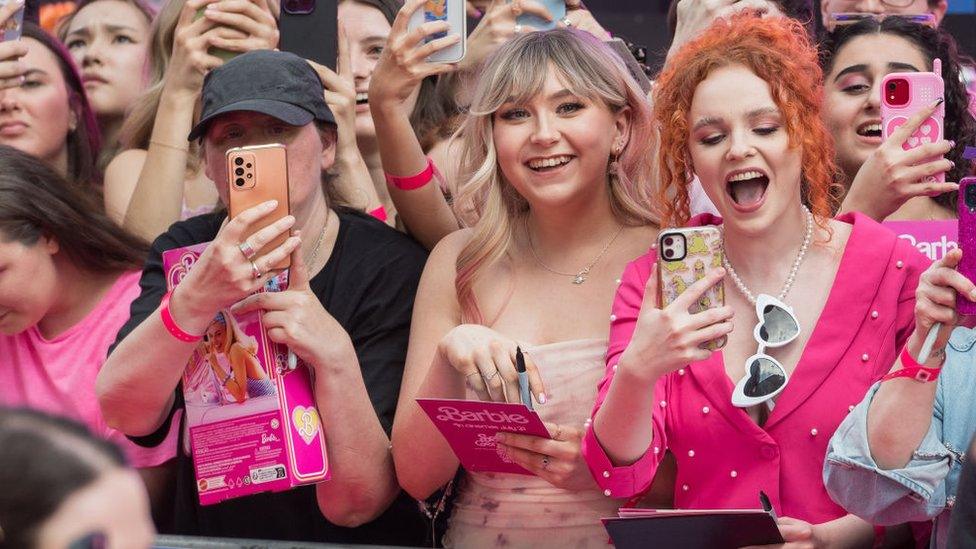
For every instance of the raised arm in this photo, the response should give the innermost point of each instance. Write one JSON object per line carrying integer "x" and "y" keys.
{"x": 392, "y": 89}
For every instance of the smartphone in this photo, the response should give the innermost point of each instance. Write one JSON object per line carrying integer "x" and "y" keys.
{"x": 620, "y": 48}
{"x": 685, "y": 256}
{"x": 310, "y": 29}
{"x": 12, "y": 27}
{"x": 257, "y": 174}
{"x": 556, "y": 7}
{"x": 452, "y": 11}
{"x": 967, "y": 240}
{"x": 905, "y": 93}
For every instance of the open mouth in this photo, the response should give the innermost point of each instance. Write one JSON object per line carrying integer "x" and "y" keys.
{"x": 548, "y": 164}
{"x": 870, "y": 129}
{"x": 747, "y": 188}
{"x": 362, "y": 98}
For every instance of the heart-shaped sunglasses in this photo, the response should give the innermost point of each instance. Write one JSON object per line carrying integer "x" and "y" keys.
{"x": 765, "y": 376}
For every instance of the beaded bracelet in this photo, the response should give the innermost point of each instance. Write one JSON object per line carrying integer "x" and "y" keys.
{"x": 171, "y": 326}
{"x": 412, "y": 182}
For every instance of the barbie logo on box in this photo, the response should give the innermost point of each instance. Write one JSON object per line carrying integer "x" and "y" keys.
{"x": 469, "y": 426}
{"x": 252, "y": 425}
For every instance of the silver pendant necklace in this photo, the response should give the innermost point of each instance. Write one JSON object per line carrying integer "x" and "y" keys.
{"x": 580, "y": 276}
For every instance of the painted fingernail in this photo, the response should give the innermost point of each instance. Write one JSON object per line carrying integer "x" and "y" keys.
{"x": 542, "y": 398}
{"x": 952, "y": 144}
{"x": 938, "y": 102}
{"x": 500, "y": 437}
{"x": 972, "y": 295}
{"x": 271, "y": 204}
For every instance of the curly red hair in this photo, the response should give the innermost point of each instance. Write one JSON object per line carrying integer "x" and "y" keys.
{"x": 777, "y": 50}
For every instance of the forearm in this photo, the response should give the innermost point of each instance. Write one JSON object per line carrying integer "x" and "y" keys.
{"x": 900, "y": 415}
{"x": 424, "y": 211}
{"x": 424, "y": 460}
{"x": 847, "y": 532}
{"x": 853, "y": 202}
{"x": 623, "y": 423}
{"x": 354, "y": 182}
{"x": 136, "y": 384}
{"x": 363, "y": 482}
{"x": 157, "y": 200}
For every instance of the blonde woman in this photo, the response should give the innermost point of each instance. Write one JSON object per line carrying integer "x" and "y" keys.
{"x": 557, "y": 178}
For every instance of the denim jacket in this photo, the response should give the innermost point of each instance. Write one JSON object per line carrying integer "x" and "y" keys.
{"x": 926, "y": 487}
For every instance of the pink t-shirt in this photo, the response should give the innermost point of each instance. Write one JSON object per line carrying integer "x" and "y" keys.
{"x": 58, "y": 375}
{"x": 723, "y": 457}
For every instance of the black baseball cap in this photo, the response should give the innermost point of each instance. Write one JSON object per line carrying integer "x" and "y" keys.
{"x": 275, "y": 83}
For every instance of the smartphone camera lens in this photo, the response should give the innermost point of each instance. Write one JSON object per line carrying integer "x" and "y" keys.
{"x": 248, "y": 165}
{"x": 892, "y": 86}
{"x": 668, "y": 253}
{"x": 239, "y": 171}
{"x": 668, "y": 241}
{"x": 238, "y": 161}
{"x": 239, "y": 182}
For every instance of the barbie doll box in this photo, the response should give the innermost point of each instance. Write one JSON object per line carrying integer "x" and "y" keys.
{"x": 251, "y": 422}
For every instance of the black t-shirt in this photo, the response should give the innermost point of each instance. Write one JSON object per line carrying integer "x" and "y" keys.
{"x": 368, "y": 286}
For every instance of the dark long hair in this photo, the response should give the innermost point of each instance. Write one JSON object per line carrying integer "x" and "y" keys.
{"x": 36, "y": 202}
{"x": 960, "y": 126}
{"x": 43, "y": 461}
{"x": 84, "y": 142}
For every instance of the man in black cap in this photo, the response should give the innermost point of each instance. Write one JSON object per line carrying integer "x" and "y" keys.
{"x": 346, "y": 315}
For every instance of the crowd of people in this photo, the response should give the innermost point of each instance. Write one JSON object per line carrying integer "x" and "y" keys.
{"x": 447, "y": 217}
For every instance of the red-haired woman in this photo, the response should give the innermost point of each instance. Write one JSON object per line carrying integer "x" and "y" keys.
{"x": 827, "y": 302}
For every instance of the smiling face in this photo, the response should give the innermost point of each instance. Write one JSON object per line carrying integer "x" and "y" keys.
{"x": 740, "y": 149}
{"x": 107, "y": 40}
{"x": 36, "y": 117}
{"x": 28, "y": 283}
{"x": 309, "y": 152}
{"x": 367, "y": 30}
{"x": 553, "y": 148}
{"x": 852, "y": 93}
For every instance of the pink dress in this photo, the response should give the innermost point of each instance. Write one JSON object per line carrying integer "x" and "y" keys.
{"x": 723, "y": 457}
{"x": 58, "y": 375}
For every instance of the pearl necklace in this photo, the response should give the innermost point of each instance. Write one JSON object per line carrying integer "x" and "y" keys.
{"x": 789, "y": 279}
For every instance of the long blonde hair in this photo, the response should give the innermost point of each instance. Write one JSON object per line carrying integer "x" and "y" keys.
{"x": 138, "y": 125}
{"x": 517, "y": 72}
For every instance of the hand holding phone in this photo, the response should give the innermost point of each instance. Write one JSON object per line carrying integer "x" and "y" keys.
{"x": 557, "y": 12}
{"x": 11, "y": 48}
{"x": 237, "y": 27}
{"x": 308, "y": 28}
{"x": 452, "y": 12}
{"x": 905, "y": 94}
{"x": 686, "y": 256}
{"x": 256, "y": 175}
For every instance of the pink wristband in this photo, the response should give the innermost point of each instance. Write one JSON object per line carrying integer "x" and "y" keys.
{"x": 910, "y": 368}
{"x": 379, "y": 213}
{"x": 171, "y": 325}
{"x": 412, "y": 182}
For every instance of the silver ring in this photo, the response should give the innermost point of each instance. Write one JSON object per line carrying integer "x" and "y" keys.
{"x": 255, "y": 271}
{"x": 567, "y": 22}
{"x": 518, "y": 28}
{"x": 545, "y": 463}
{"x": 247, "y": 250}
{"x": 491, "y": 376}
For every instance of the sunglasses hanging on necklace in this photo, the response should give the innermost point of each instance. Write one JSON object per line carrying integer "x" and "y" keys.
{"x": 777, "y": 326}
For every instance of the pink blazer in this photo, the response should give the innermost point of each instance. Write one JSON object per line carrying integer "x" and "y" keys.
{"x": 724, "y": 458}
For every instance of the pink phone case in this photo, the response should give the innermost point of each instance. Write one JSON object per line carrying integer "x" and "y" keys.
{"x": 924, "y": 89}
{"x": 967, "y": 240}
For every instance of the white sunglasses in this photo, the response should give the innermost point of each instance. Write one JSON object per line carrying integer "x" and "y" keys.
{"x": 765, "y": 376}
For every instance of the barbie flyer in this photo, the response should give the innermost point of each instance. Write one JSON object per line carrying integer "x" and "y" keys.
{"x": 252, "y": 423}
{"x": 470, "y": 426}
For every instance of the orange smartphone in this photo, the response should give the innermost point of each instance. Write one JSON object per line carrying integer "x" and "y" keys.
{"x": 257, "y": 174}
{"x": 686, "y": 256}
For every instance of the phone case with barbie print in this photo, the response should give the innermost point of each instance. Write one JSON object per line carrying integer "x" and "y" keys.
{"x": 255, "y": 175}
{"x": 455, "y": 14}
{"x": 905, "y": 93}
{"x": 967, "y": 240}
{"x": 685, "y": 256}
